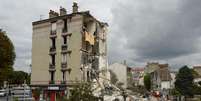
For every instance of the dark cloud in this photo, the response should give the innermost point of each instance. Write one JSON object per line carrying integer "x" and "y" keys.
{"x": 139, "y": 30}
{"x": 158, "y": 29}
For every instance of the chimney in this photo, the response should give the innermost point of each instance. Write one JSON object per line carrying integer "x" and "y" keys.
{"x": 75, "y": 7}
{"x": 62, "y": 11}
{"x": 53, "y": 14}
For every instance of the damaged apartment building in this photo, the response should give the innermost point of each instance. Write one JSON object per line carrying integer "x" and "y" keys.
{"x": 67, "y": 48}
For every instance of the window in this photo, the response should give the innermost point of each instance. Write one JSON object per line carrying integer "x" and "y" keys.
{"x": 54, "y": 26}
{"x": 64, "y": 58}
{"x": 65, "y": 28}
{"x": 65, "y": 40}
{"x": 64, "y": 74}
{"x": 52, "y": 76}
{"x": 53, "y": 42}
{"x": 52, "y": 61}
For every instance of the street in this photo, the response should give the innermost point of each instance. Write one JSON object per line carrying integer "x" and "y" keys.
{"x": 5, "y": 98}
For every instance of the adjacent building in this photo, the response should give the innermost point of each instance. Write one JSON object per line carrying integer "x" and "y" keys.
{"x": 160, "y": 76}
{"x": 137, "y": 75}
{"x": 67, "y": 48}
{"x": 197, "y": 79}
{"x": 120, "y": 70}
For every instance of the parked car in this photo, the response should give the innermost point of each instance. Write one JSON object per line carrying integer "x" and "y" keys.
{"x": 2, "y": 92}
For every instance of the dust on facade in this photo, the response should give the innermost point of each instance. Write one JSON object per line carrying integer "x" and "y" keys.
{"x": 68, "y": 48}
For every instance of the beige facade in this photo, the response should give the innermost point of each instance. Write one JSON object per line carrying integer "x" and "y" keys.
{"x": 60, "y": 52}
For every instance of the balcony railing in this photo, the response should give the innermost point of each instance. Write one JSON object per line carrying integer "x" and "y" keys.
{"x": 64, "y": 49}
{"x": 52, "y": 50}
{"x": 53, "y": 34}
{"x": 52, "y": 67}
{"x": 51, "y": 82}
{"x": 64, "y": 65}
{"x": 63, "y": 82}
{"x": 66, "y": 34}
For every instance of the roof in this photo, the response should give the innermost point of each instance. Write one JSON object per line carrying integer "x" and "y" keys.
{"x": 85, "y": 13}
{"x": 137, "y": 69}
{"x": 197, "y": 67}
{"x": 164, "y": 74}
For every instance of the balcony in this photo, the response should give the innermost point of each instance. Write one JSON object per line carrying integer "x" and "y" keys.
{"x": 51, "y": 82}
{"x": 52, "y": 50}
{"x": 64, "y": 49}
{"x": 53, "y": 34}
{"x": 52, "y": 67}
{"x": 64, "y": 65}
{"x": 63, "y": 82}
{"x": 65, "y": 33}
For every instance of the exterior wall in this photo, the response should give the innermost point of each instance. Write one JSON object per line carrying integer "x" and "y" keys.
{"x": 102, "y": 60}
{"x": 41, "y": 43}
{"x": 155, "y": 79}
{"x": 137, "y": 74}
{"x": 75, "y": 41}
{"x": 40, "y": 54}
{"x": 121, "y": 72}
{"x": 173, "y": 76}
{"x": 165, "y": 85}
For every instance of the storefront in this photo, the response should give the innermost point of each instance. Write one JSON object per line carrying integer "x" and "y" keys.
{"x": 49, "y": 92}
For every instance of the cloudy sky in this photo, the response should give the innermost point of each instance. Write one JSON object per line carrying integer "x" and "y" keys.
{"x": 140, "y": 31}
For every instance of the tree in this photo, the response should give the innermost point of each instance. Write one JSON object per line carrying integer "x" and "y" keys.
{"x": 147, "y": 82}
{"x": 184, "y": 81}
{"x": 18, "y": 77}
{"x": 7, "y": 57}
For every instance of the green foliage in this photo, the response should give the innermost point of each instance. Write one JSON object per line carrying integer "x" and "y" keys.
{"x": 174, "y": 92}
{"x": 82, "y": 92}
{"x": 184, "y": 81}
{"x": 197, "y": 90}
{"x": 113, "y": 77}
{"x": 7, "y": 57}
{"x": 18, "y": 77}
{"x": 7, "y": 52}
{"x": 147, "y": 82}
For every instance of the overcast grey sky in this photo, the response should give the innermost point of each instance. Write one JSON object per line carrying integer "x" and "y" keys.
{"x": 139, "y": 30}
